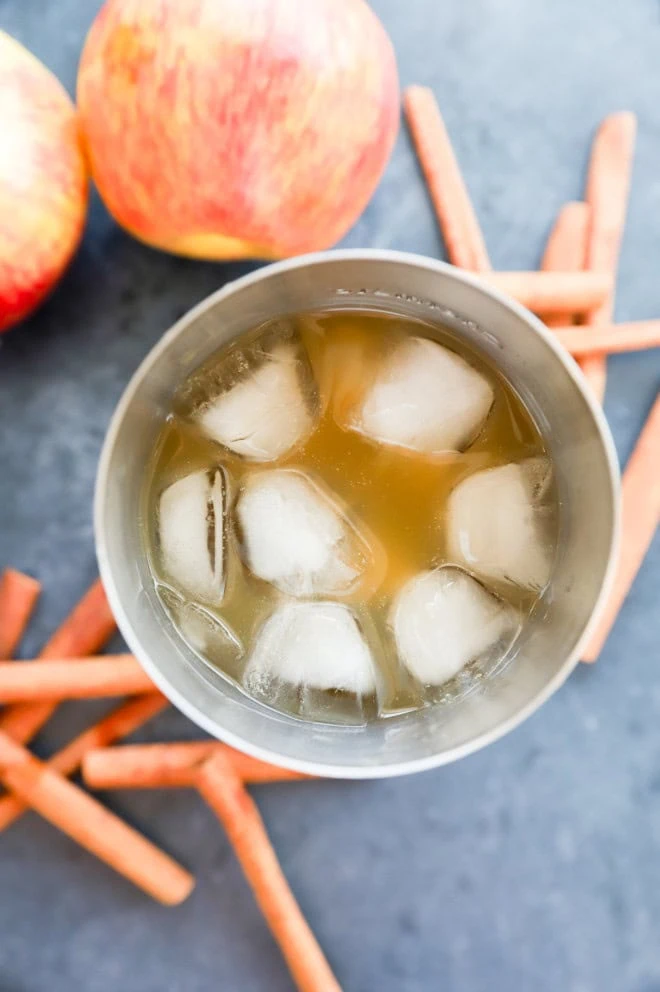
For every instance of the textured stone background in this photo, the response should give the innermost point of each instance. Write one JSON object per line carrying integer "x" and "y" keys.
{"x": 532, "y": 865}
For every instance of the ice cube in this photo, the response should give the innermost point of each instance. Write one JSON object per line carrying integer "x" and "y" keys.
{"x": 444, "y": 619}
{"x": 191, "y": 528}
{"x": 205, "y": 632}
{"x": 311, "y": 645}
{"x": 265, "y": 414}
{"x": 498, "y": 521}
{"x": 295, "y": 536}
{"x": 208, "y": 634}
{"x": 425, "y": 398}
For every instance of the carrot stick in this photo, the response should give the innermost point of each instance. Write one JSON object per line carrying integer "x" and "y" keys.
{"x": 106, "y": 675}
{"x": 451, "y": 200}
{"x": 121, "y": 722}
{"x": 641, "y": 513}
{"x": 91, "y": 825}
{"x": 566, "y": 248}
{"x": 609, "y": 339}
{"x": 553, "y": 292}
{"x": 85, "y": 631}
{"x": 608, "y": 185}
{"x": 224, "y": 792}
{"x": 18, "y": 597}
{"x": 157, "y": 766}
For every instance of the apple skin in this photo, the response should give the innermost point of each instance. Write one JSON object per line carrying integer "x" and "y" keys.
{"x": 43, "y": 181}
{"x": 237, "y": 128}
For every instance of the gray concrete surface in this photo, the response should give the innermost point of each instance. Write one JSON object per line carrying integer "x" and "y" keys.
{"x": 534, "y": 865}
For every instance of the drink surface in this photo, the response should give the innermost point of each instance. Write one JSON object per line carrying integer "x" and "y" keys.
{"x": 425, "y": 585}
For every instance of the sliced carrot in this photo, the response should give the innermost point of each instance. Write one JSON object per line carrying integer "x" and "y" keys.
{"x": 226, "y": 795}
{"x": 157, "y": 766}
{"x": 451, "y": 200}
{"x": 552, "y": 292}
{"x": 86, "y": 630}
{"x": 18, "y": 598}
{"x": 91, "y": 825}
{"x": 107, "y": 675}
{"x": 608, "y": 186}
{"x": 566, "y": 248}
{"x": 610, "y": 339}
{"x": 641, "y": 513}
{"x": 121, "y": 722}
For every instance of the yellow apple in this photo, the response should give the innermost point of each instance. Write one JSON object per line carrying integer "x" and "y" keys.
{"x": 237, "y": 128}
{"x": 43, "y": 183}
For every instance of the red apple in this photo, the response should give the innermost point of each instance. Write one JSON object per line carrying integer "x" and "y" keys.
{"x": 237, "y": 128}
{"x": 43, "y": 184}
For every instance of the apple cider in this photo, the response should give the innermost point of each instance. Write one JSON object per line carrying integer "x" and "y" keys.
{"x": 350, "y": 515}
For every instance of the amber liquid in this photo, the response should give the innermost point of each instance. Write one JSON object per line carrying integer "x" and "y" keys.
{"x": 398, "y": 496}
